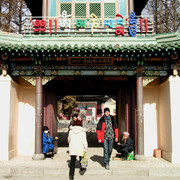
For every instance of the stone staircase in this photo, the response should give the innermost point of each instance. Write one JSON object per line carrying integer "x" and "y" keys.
{"x": 59, "y": 166}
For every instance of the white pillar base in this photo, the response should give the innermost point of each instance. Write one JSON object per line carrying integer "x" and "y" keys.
{"x": 38, "y": 156}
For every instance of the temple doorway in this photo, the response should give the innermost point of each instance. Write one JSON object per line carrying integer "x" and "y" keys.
{"x": 93, "y": 94}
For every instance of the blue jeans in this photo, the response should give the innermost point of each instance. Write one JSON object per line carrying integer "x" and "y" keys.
{"x": 108, "y": 146}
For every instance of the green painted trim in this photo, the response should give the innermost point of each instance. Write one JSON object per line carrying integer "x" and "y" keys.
{"x": 89, "y": 73}
{"x": 112, "y": 73}
{"x": 109, "y": 47}
{"x": 65, "y": 73}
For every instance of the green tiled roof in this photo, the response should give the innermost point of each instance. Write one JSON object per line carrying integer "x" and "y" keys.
{"x": 15, "y": 42}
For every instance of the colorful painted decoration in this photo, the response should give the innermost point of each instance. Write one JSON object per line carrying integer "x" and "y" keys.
{"x": 119, "y": 25}
{"x": 80, "y": 23}
{"x": 141, "y": 24}
{"x": 108, "y": 22}
{"x": 65, "y": 22}
{"x": 95, "y": 23}
{"x": 119, "y": 31}
{"x": 39, "y": 25}
{"x": 132, "y": 24}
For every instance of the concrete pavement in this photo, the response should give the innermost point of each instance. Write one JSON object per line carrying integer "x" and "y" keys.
{"x": 24, "y": 168}
{"x": 92, "y": 177}
{"x": 57, "y": 168}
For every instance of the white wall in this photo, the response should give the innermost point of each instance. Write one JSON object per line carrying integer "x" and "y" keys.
{"x": 13, "y": 122}
{"x": 17, "y": 109}
{"x": 5, "y": 85}
{"x": 26, "y": 129}
{"x": 169, "y": 118}
{"x": 174, "y": 83}
{"x": 8, "y": 118}
{"x": 150, "y": 120}
{"x": 164, "y": 126}
{"x": 162, "y": 119}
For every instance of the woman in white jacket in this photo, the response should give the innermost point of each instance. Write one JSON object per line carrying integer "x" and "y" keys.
{"x": 77, "y": 145}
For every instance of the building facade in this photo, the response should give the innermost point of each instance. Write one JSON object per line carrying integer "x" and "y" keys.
{"x": 88, "y": 48}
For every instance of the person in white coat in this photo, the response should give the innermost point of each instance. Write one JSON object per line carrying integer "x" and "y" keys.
{"x": 77, "y": 145}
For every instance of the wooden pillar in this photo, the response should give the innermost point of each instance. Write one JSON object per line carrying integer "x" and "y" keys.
{"x": 140, "y": 119}
{"x": 123, "y": 110}
{"x": 140, "y": 127}
{"x": 134, "y": 118}
{"x": 38, "y": 118}
{"x": 118, "y": 111}
{"x": 127, "y": 111}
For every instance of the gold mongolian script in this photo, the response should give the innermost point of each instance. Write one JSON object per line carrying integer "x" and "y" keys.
{"x": 91, "y": 60}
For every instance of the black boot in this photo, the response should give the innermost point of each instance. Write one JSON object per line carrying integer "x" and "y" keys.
{"x": 71, "y": 178}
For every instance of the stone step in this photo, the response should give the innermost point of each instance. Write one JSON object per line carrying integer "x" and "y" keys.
{"x": 122, "y": 172}
{"x": 24, "y": 165}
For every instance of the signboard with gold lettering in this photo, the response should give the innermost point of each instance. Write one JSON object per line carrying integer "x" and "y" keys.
{"x": 91, "y": 60}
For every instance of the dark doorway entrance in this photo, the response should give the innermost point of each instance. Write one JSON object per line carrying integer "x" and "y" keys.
{"x": 121, "y": 89}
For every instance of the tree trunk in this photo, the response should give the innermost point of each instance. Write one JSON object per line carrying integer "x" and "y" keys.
{"x": 166, "y": 15}
{"x": 0, "y": 13}
{"x": 155, "y": 16}
{"x": 20, "y": 16}
{"x": 9, "y": 15}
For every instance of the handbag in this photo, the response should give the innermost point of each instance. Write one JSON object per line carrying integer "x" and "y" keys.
{"x": 84, "y": 160}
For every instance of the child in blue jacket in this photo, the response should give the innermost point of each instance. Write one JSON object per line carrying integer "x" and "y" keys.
{"x": 47, "y": 142}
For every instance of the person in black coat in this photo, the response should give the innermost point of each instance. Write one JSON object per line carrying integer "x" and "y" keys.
{"x": 125, "y": 146}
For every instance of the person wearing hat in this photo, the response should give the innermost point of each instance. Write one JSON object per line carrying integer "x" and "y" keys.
{"x": 47, "y": 143}
{"x": 126, "y": 146}
{"x": 106, "y": 131}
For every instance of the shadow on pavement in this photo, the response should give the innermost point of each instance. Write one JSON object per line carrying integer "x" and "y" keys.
{"x": 82, "y": 172}
{"x": 77, "y": 165}
{"x": 98, "y": 159}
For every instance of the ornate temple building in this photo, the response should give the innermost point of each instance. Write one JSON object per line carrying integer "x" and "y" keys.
{"x": 90, "y": 47}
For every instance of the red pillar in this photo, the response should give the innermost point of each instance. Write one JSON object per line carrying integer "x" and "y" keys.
{"x": 140, "y": 119}
{"x": 127, "y": 111}
{"x": 38, "y": 120}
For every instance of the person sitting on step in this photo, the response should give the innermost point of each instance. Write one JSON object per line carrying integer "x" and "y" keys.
{"x": 125, "y": 146}
{"x": 47, "y": 143}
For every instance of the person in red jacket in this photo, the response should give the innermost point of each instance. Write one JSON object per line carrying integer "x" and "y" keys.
{"x": 75, "y": 121}
{"x": 106, "y": 131}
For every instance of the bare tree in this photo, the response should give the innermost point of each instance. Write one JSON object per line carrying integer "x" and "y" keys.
{"x": 6, "y": 14}
{"x": 12, "y": 15}
{"x": 166, "y": 15}
{"x": 0, "y": 11}
{"x": 20, "y": 14}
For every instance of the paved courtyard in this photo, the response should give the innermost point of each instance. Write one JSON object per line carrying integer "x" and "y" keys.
{"x": 92, "y": 177}
{"x": 20, "y": 167}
